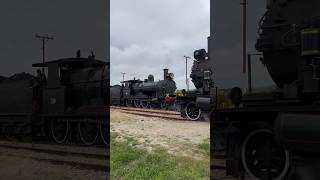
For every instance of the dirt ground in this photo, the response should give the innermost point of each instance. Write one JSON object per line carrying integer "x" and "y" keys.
{"x": 179, "y": 137}
{"x": 19, "y": 165}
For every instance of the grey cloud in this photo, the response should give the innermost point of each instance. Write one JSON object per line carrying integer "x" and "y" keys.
{"x": 148, "y": 35}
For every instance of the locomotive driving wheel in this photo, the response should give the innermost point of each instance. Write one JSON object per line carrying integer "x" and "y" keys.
{"x": 262, "y": 158}
{"x": 137, "y": 103}
{"x": 192, "y": 111}
{"x": 145, "y": 104}
{"x": 129, "y": 103}
{"x": 7, "y": 131}
{"x": 104, "y": 130}
{"x": 163, "y": 105}
{"x": 152, "y": 105}
{"x": 88, "y": 132}
{"x": 59, "y": 130}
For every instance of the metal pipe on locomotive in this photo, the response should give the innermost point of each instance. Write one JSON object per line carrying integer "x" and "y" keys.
{"x": 147, "y": 93}
{"x": 71, "y": 106}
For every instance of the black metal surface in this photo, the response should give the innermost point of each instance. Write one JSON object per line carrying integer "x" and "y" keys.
{"x": 76, "y": 89}
{"x": 280, "y": 38}
{"x": 298, "y": 132}
{"x": 16, "y": 96}
{"x": 115, "y": 95}
{"x": 289, "y": 40}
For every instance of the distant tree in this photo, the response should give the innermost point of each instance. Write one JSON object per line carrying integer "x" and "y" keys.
{"x": 179, "y": 93}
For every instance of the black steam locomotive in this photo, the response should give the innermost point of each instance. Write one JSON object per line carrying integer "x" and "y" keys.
{"x": 145, "y": 94}
{"x": 265, "y": 134}
{"x": 71, "y": 104}
{"x": 195, "y": 104}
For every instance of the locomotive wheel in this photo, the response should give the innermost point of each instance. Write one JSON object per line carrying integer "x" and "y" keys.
{"x": 8, "y": 132}
{"x": 145, "y": 104}
{"x": 60, "y": 130}
{"x": 137, "y": 104}
{"x": 104, "y": 133}
{"x": 262, "y": 158}
{"x": 131, "y": 103}
{"x": 163, "y": 105}
{"x": 192, "y": 112}
{"x": 152, "y": 106}
{"x": 127, "y": 103}
{"x": 172, "y": 105}
{"x": 88, "y": 132}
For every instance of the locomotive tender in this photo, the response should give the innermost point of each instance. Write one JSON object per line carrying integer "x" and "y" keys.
{"x": 71, "y": 105}
{"x": 145, "y": 94}
{"x": 264, "y": 134}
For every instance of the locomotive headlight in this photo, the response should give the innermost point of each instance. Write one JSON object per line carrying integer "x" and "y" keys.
{"x": 171, "y": 75}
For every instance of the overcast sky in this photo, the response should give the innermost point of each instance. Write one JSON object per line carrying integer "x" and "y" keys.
{"x": 75, "y": 24}
{"x": 149, "y": 35}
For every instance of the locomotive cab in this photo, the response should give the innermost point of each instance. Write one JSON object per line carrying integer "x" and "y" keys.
{"x": 70, "y": 104}
{"x": 74, "y": 83}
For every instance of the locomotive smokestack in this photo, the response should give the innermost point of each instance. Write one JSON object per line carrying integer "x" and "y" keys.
{"x": 165, "y": 73}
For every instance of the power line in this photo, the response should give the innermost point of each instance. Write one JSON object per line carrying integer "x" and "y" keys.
{"x": 44, "y": 39}
{"x": 244, "y": 34}
{"x": 123, "y": 74}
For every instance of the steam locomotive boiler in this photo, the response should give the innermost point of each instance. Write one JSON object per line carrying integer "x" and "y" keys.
{"x": 264, "y": 134}
{"x": 196, "y": 103}
{"x": 145, "y": 94}
{"x": 72, "y": 104}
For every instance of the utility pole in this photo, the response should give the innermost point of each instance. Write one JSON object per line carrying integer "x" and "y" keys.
{"x": 123, "y": 76}
{"x": 187, "y": 57}
{"x": 244, "y": 34}
{"x": 44, "y": 39}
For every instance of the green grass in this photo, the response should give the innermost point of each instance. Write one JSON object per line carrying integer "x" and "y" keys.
{"x": 204, "y": 148}
{"x": 130, "y": 162}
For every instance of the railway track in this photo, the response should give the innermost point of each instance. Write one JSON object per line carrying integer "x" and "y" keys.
{"x": 79, "y": 157}
{"x": 169, "y": 115}
{"x": 147, "y": 110}
{"x": 218, "y": 162}
{"x": 218, "y": 167}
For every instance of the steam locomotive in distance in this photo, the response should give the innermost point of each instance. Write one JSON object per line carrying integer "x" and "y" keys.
{"x": 145, "y": 94}
{"x": 71, "y": 104}
{"x": 275, "y": 135}
{"x": 194, "y": 104}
